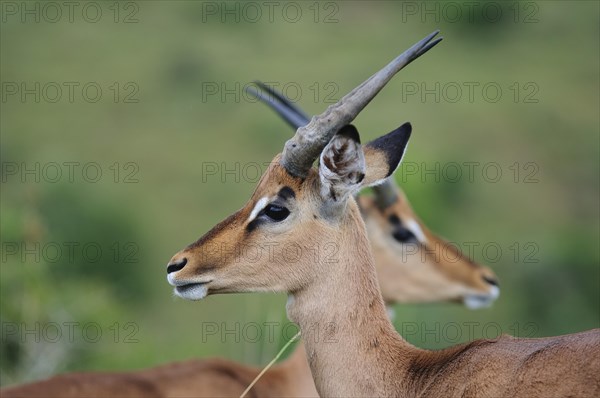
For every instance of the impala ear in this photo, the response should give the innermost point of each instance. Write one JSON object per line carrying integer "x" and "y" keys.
{"x": 384, "y": 154}
{"x": 342, "y": 165}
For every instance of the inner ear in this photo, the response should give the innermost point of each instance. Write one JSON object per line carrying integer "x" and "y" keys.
{"x": 342, "y": 165}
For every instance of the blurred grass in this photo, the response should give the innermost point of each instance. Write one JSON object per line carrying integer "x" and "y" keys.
{"x": 171, "y": 52}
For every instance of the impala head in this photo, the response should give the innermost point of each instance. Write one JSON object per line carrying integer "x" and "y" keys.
{"x": 416, "y": 265}
{"x": 413, "y": 264}
{"x": 269, "y": 244}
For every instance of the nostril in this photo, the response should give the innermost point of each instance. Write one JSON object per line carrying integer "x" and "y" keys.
{"x": 491, "y": 280}
{"x": 176, "y": 266}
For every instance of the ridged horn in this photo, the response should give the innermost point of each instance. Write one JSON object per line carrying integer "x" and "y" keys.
{"x": 293, "y": 115}
{"x": 304, "y": 147}
{"x": 386, "y": 193}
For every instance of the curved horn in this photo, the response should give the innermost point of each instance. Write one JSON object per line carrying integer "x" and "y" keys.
{"x": 305, "y": 146}
{"x": 293, "y": 115}
{"x": 386, "y": 193}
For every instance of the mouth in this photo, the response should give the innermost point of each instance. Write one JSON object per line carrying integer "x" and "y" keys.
{"x": 477, "y": 301}
{"x": 189, "y": 290}
{"x": 192, "y": 291}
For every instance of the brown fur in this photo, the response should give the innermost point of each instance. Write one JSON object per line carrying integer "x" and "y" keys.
{"x": 216, "y": 377}
{"x": 427, "y": 268}
{"x": 206, "y": 378}
{"x": 363, "y": 355}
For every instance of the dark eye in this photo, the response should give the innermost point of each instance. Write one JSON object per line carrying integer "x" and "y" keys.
{"x": 404, "y": 235}
{"x": 276, "y": 213}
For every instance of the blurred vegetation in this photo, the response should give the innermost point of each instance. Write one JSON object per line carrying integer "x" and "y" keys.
{"x": 170, "y": 54}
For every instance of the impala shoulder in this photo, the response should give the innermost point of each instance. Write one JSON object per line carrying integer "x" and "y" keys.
{"x": 431, "y": 363}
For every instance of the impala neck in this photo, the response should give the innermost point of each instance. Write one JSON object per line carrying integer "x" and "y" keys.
{"x": 295, "y": 373}
{"x": 297, "y": 359}
{"x": 351, "y": 346}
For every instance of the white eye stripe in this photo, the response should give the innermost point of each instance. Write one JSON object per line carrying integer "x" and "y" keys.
{"x": 261, "y": 204}
{"x": 414, "y": 227}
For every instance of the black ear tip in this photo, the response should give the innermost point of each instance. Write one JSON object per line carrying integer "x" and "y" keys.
{"x": 402, "y": 134}
{"x": 349, "y": 131}
{"x": 406, "y": 128}
{"x": 393, "y": 145}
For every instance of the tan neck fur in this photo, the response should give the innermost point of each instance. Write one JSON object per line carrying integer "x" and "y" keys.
{"x": 353, "y": 349}
{"x": 336, "y": 336}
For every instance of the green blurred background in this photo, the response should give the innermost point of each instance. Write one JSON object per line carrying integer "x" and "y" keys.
{"x": 157, "y": 127}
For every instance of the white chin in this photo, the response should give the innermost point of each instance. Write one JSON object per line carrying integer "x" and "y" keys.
{"x": 191, "y": 292}
{"x": 477, "y": 301}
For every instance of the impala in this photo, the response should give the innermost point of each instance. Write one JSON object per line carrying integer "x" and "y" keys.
{"x": 415, "y": 279}
{"x": 389, "y": 217}
{"x": 362, "y": 355}
{"x": 407, "y": 279}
